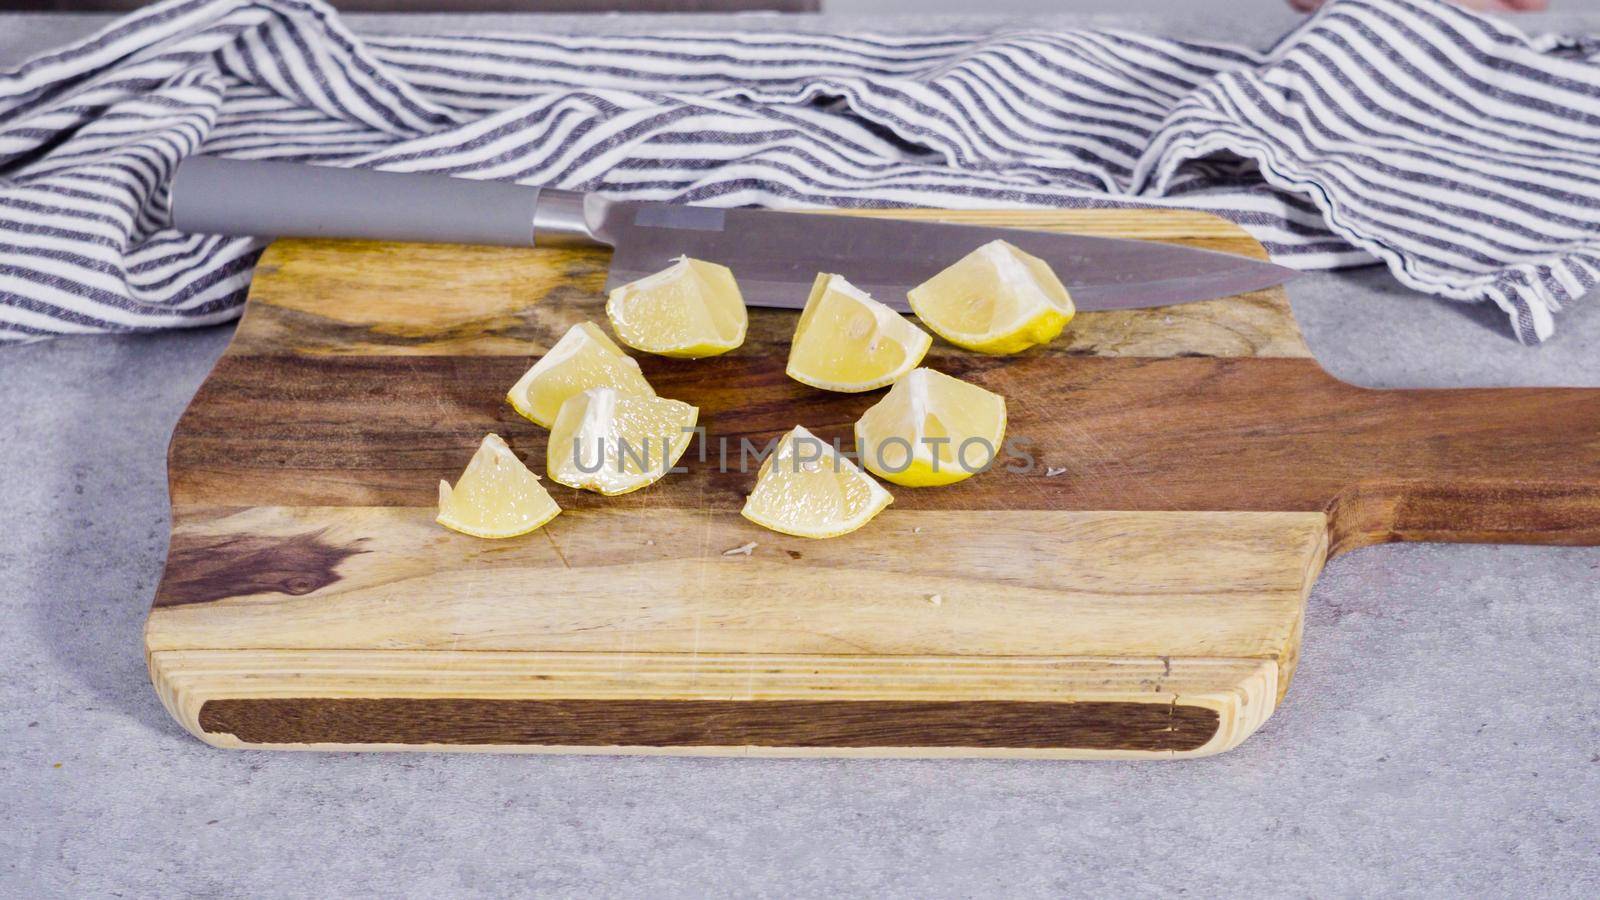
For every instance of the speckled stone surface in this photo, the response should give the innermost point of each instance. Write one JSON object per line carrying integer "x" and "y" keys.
{"x": 1442, "y": 737}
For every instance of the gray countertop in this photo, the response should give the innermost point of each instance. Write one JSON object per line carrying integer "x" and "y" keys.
{"x": 1442, "y": 736}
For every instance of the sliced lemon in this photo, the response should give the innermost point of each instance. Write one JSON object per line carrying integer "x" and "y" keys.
{"x": 931, "y": 429}
{"x": 582, "y": 359}
{"x": 606, "y": 441}
{"x": 995, "y": 299}
{"x": 805, "y": 488}
{"x": 690, "y": 310}
{"x": 496, "y": 497}
{"x": 847, "y": 341}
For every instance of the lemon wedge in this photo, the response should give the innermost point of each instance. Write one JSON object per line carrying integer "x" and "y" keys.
{"x": 610, "y": 442}
{"x": 847, "y": 341}
{"x": 995, "y": 299}
{"x": 496, "y": 497}
{"x": 690, "y": 310}
{"x": 805, "y": 488}
{"x": 931, "y": 429}
{"x": 582, "y": 359}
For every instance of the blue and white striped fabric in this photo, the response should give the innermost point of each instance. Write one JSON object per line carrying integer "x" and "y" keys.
{"x": 1464, "y": 155}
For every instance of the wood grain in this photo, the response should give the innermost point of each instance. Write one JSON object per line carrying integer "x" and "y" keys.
{"x": 1235, "y": 695}
{"x": 1137, "y": 591}
{"x": 800, "y": 724}
{"x": 1193, "y": 434}
{"x": 1009, "y": 582}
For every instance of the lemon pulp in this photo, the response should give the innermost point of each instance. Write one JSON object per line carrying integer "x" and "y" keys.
{"x": 582, "y": 359}
{"x": 807, "y": 489}
{"x": 931, "y": 429}
{"x": 996, "y": 299}
{"x": 690, "y": 310}
{"x": 606, "y": 441}
{"x": 847, "y": 341}
{"x": 496, "y": 497}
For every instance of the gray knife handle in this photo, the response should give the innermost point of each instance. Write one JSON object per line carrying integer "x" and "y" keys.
{"x": 211, "y": 195}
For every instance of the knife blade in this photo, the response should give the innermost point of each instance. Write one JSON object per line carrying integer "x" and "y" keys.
{"x": 774, "y": 255}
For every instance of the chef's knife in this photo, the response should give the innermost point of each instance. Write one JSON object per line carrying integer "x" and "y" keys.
{"x": 775, "y": 255}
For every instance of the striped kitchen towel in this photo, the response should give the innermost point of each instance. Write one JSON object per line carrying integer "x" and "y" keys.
{"x": 1463, "y": 154}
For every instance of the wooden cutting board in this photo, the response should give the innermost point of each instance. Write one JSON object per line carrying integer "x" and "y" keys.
{"x": 1139, "y": 593}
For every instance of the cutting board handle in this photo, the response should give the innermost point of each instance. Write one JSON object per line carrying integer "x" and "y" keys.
{"x": 1475, "y": 466}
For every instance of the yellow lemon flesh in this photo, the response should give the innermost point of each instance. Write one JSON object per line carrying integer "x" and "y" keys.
{"x": 995, "y": 299}
{"x": 606, "y": 441}
{"x": 808, "y": 490}
{"x": 931, "y": 429}
{"x": 582, "y": 359}
{"x": 690, "y": 310}
{"x": 847, "y": 341}
{"x": 496, "y": 497}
